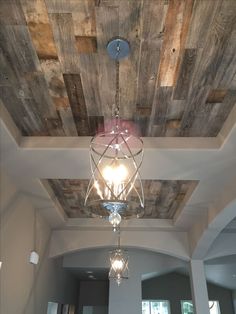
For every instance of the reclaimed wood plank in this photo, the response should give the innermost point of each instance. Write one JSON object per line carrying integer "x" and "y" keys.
{"x": 185, "y": 74}
{"x": 59, "y": 6}
{"x": 162, "y": 100}
{"x": 40, "y": 29}
{"x": 89, "y": 69}
{"x": 63, "y": 31}
{"x": 227, "y": 67}
{"x": 57, "y": 90}
{"x": 202, "y": 16}
{"x": 11, "y": 13}
{"x": 216, "y": 96}
{"x": 86, "y": 44}
{"x": 107, "y": 19}
{"x": 83, "y": 14}
{"x": 176, "y": 28}
{"x": 16, "y": 45}
{"x": 129, "y": 28}
{"x": 75, "y": 93}
{"x": 208, "y": 61}
{"x": 152, "y": 28}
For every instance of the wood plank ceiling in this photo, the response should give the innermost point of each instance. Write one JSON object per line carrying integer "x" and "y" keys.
{"x": 163, "y": 198}
{"x": 57, "y": 80}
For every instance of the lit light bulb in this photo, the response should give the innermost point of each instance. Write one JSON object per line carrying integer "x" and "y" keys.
{"x": 117, "y": 265}
{"x": 116, "y": 174}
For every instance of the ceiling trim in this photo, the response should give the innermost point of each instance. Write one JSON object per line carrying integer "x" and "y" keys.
{"x": 82, "y": 142}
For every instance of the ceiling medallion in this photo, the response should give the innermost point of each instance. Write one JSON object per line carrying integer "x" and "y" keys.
{"x": 119, "y": 261}
{"x": 115, "y": 157}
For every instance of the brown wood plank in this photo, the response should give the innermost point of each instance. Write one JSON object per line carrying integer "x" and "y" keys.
{"x": 76, "y": 96}
{"x": 207, "y": 63}
{"x": 129, "y": 28}
{"x": 176, "y": 28}
{"x": 16, "y": 45}
{"x": 152, "y": 28}
{"x": 185, "y": 74}
{"x": 83, "y": 14}
{"x": 202, "y": 17}
{"x": 162, "y": 101}
{"x": 40, "y": 29}
{"x": 86, "y": 44}
{"x": 11, "y": 13}
{"x": 216, "y": 96}
{"x": 63, "y": 31}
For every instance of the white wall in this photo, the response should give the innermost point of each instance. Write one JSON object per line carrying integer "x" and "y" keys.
{"x": 25, "y": 288}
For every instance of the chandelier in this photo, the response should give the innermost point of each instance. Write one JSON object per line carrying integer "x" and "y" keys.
{"x": 118, "y": 264}
{"x": 115, "y": 158}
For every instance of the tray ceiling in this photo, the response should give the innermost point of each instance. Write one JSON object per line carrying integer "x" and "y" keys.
{"x": 163, "y": 198}
{"x": 57, "y": 80}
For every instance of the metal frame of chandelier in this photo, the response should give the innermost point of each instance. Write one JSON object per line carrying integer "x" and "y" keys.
{"x": 115, "y": 158}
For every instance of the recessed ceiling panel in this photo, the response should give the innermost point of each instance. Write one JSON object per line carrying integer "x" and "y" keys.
{"x": 56, "y": 77}
{"x": 162, "y": 198}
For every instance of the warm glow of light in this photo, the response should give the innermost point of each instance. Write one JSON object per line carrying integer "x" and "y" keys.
{"x": 117, "y": 264}
{"x": 115, "y": 175}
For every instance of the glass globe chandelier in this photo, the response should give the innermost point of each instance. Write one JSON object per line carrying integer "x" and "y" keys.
{"x": 119, "y": 261}
{"x": 115, "y": 158}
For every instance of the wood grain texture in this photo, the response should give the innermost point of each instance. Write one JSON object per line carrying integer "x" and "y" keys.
{"x": 185, "y": 74}
{"x": 77, "y": 102}
{"x": 207, "y": 64}
{"x": 107, "y": 19}
{"x": 63, "y": 30}
{"x": 162, "y": 100}
{"x": 163, "y": 198}
{"x": 11, "y": 13}
{"x": 152, "y": 28}
{"x": 176, "y": 27}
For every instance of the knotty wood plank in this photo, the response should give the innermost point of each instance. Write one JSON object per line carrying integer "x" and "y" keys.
{"x": 162, "y": 100}
{"x": 185, "y": 74}
{"x": 63, "y": 31}
{"x": 152, "y": 28}
{"x": 11, "y": 13}
{"x": 107, "y": 19}
{"x": 202, "y": 17}
{"x": 76, "y": 96}
{"x": 176, "y": 28}
{"x": 208, "y": 61}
